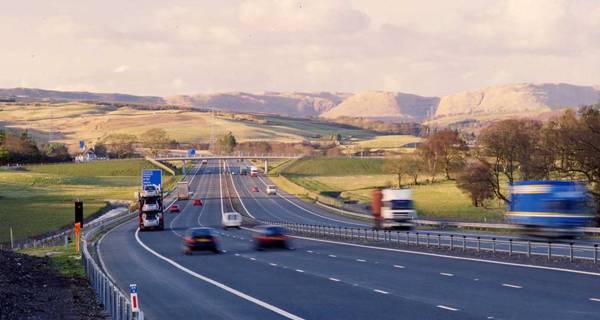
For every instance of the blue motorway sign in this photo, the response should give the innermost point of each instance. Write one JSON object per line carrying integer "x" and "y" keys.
{"x": 191, "y": 152}
{"x": 132, "y": 288}
{"x": 81, "y": 144}
{"x": 153, "y": 176}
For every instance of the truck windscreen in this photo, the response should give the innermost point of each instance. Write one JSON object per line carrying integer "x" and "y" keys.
{"x": 401, "y": 204}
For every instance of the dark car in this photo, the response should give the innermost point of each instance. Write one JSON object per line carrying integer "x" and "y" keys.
{"x": 271, "y": 237}
{"x": 200, "y": 239}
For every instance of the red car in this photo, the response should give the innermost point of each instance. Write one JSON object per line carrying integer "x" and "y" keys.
{"x": 174, "y": 208}
{"x": 271, "y": 237}
{"x": 197, "y": 202}
{"x": 255, "y": 189}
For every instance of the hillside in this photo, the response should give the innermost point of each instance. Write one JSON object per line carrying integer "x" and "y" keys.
{"x": 515, "y": 100}
{"x": 391, "y": 106}
{"x": 280, "y": 103}
{"x": 40, "y": 94}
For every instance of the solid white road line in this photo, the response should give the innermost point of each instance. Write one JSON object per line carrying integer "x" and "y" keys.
{"x": 447, "y": 274}
{"x": 447, "y": 308}
{"x": 381, "y": 291}
{"x": 312, "y": 212}
{"x": 218, "y": 284}
{"x": 595, "y": 299}
{"x": 334, "y": 279}
{"x": 451, "y": 257}
{"x": 511, "y": 285}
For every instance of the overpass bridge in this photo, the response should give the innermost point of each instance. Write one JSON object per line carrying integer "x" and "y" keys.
{"x": 265, "y": 157}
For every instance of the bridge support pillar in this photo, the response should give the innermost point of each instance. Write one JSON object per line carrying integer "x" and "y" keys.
{"x": 183, "y": 168}
{"x": 266, "y": 166}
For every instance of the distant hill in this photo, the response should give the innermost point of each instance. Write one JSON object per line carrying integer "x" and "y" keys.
{"x": 41, "y": 94}
{"x": 385, "y": 105}
{"x": 282, "y": 103}
{"x": 516, "y": 100}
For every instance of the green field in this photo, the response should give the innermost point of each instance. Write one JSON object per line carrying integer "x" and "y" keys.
{"x": 389, "y": 142}
{"x": 335, "y": 167}
{"x": 356, "y": 178}
{"x": 40, "y": 198}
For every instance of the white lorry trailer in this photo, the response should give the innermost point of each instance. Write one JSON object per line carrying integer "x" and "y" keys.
{"x": 183, "y": 190}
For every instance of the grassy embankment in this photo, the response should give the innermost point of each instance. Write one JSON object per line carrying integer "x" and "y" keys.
{"x": 39, "y": 198}
{"x": 355, "y": 178}
{"x": 66, "y": 262}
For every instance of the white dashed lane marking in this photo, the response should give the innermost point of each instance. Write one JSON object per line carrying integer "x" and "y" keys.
{"x": 273, "y": 264}
{"x": 398, "y": 266}
{"x": 299, "y": 270}
{"x": 511, "y": 286}
{"x": 334, "y": 279}
{"x": 595, "y": 299}
{"x": 361, "y": 260}
{"x": 381, "y": 291}
{"x": 447, "y": 274}
{"x": 446, "y": 308}
{"x": 333, "y": 256}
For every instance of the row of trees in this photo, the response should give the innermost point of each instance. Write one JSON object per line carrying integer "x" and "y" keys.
{"x": 22, "y": 148}
{"x": 122, "y": 145}
{"x": 566, "y": 147}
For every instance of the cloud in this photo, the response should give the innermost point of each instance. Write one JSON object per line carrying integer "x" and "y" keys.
{"x": 122, "y": 68}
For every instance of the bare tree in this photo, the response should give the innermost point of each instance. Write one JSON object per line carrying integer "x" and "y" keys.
{"x": 475, "y": 180}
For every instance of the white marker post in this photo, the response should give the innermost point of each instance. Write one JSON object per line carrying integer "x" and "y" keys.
{"x": 12, "y": 244}
{"x": 133, "y": 299}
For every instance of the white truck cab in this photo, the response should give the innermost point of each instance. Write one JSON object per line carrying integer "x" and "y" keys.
{"x": 397, "y": 209}
{"x": 231, "y": 220}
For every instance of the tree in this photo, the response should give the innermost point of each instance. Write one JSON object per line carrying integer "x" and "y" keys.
{"x": 120, "y": 145}
{"x": 55, "y": 152}
{"x": 155, "y": 140}
{"x": 514, "y": 147}
{"x": 100, "y": 150}
{"x": 575, "y": 143}
{"x": 226, "y": 143}
{"x": 475, "y": 181}
{"x": 444, "y": 151}
{"x": 403, "y": 166}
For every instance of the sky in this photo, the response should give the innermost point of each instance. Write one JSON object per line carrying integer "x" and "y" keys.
{"x": 426, "y": 47}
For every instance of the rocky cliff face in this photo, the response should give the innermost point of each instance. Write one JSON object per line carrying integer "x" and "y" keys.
{"x": 516, "y": 99}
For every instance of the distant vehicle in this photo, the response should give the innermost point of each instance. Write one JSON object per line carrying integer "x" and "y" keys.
{"x": 150, "y": 191}
{"x": 204, "y": 161}
{"x": 183, "y": 190}
{"x": 174, "y": 208}
{"x": 231, "y": 220}
{"x": 253, "y": 171}
{"x": 271, "y": 189}
{"x": 197, "y": 202}
{"x": 396, "y": 208}
{"x": 254, "y": 189}
{"x": 199, "y": 239}
{"x": 243, "y": 171}
{"x": 233, "y": 172}
{"x": 550, "y": 208}
{"x": 271, "y": 237}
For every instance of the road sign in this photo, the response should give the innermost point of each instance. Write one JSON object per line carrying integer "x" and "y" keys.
{"x": 191, "y": 152}
{"x": 133, "y": 298}
{"x": 81, "y": 144}
{"x": 152, "y": 177}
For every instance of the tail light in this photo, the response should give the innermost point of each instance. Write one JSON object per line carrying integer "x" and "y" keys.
{"x": 188, "y": 240}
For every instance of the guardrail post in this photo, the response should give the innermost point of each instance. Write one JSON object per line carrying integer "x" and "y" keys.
{"x": 439, "y": 240}
{"x": 427, "y": 239}
{"x": 417, "y": 238}
{"x": 549, "y": 250}
{"x": 510, "y": 247}
{"x": 407, "y": 238}
{"x": 595, "y": 253}
{"x": 451, "y": 242}
{"x": 464, "y": 243}
{"x": 346, "y": 232}
{"x": 494, "y": 245}
{"x": 528, "y": 248}
{"x": 398, "y": 237}
{"x": 478, "y": 244}
{"x": 571, "y": 252}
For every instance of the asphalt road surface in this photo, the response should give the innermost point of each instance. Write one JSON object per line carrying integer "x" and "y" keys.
{"x": 322, "y": 279}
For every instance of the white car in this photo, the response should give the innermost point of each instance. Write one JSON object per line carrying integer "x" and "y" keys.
{"x": 150, "y": 191}
{"x": 232, "y": 220}
{"x": 150, "y": 206}
{"x": 271, "y": 189}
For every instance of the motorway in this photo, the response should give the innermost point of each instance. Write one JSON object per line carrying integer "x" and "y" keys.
{"x": 322, "y": 279}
